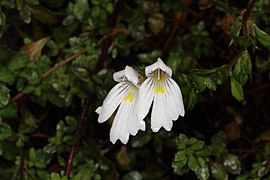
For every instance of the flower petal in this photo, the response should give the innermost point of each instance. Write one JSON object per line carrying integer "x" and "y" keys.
{"x": 159, "y": 117}
{"x": 158, "y": 65}
{"x": 177, "y": 96}
{"x": 145, "y": 98}
{"x": 112, "y": 101}
{"x": 134, "y": 123}
{"x": 119, "y": 128}
{"x": 119, "y": 76}
{"x": 132, "y": 76}
{"x": 174, "y": 102}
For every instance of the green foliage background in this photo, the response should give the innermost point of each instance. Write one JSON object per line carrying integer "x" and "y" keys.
{"x": 57, "y": 58}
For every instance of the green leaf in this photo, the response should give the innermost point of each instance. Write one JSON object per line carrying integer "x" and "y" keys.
{"x": 237, "y": 89}
{"x": 262, "y": 37}
{"x": 68, "y": 20}
{"x": 174, "y": 61}
{"x": 192, "y": 163}
{"x": 55, "y": 176}
{"x": 25, "y": 14}
{"x": 218, "y": 143}
{"x": 2, "y": 18}
{"x": 179, "y": 166}
{"x": 197, "y": 145}
{"x": 95, "y": 11}
{"x": 18, "y": 61}
{"x": 232, "y": 164}
{"x": 10, "y": 151}
{"x": 133, "y": 175}
{"x": 4, "y": 95}
{"x": 149, "y": 57}
{"x": 6, "y": 76}
{"x": 210, "y": 84}
{"x": 235, "y": 30}
{"x": 32, "y": 154}
{"x": 182, "y": 142}
{"x": 180, "y": 156}
{"x": 5, "y": 132}
{"x": 7, "y": 4}
{"x": 30, "y": 120}
{"x": 199, "y": 83}
{"x": 242, "y": 68}
{"x": 8, "y": 111}
{"x": 203, "y": 173}
{"x": 81, "y": 8}
{"x": 206, "y": 151}
{"x": 43, "y": 15}
{"x": 218, "y": 172}
{"x": 191, "y": 99}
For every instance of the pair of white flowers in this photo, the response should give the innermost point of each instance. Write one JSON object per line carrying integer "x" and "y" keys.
{"x": 135, "y": 99}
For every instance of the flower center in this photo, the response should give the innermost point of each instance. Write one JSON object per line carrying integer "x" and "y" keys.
{"x": 159, "y": 78}
{"x": 159, "y": 89}
{"x": 129, "y": 97}
{"x": 159, "y": 75}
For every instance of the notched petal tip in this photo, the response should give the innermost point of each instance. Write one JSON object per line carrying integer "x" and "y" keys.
{"x": 142, "y": 123}
{"x": 182, "y": 113}
{"x": 132, "y": 76}
{"x": 155, "y": 129}
{"x": 159, "y": 64}
{"x": 164, "y": 67}
{"x": 118, "y": 76}
{"x": 123, "y": 140}
{"x": 98, "y": 110}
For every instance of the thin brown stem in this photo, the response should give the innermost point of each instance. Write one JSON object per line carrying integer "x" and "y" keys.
{"x": 20, "y": 95}
{"x": 83, "y": 117}
{"x": 62, "y": 63}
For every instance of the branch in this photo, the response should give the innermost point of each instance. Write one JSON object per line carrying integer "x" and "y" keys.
{"x": 20, "y": 95}
{"x": 107, "y": 42}
{"x": 83, "y": 117}
{"x": 246, "y": 15}
{"x": 61, "y": 63}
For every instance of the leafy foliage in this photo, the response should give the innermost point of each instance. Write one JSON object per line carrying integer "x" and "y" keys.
{"x": 56, "y": 63}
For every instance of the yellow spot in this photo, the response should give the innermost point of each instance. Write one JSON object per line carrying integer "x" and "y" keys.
{"x": 129, "y": 97}
{"x": 159, "y": 89}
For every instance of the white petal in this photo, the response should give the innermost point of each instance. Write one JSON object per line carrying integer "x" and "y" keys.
{"x": 119, "y": 128}
{"x": 112, "y": 101}
{"x": 145, "y": 98}
{"x": 159, "y": 118}
{"x": 158, "y": 65}
{"x": 119, "y": 76}
{"x": 174, "y": 102}
{"x": 132, "y": 76}
{"x": 134, "y": 123}
{"x": 164, "y": 68}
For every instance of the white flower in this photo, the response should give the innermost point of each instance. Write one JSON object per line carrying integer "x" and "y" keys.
{"x": 166, "y": 94}
{"x": 124, "y": 93}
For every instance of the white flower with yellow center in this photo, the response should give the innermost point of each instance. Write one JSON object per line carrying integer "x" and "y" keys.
{"x": 124, "y": 94}
{"x": 165, "y": 94}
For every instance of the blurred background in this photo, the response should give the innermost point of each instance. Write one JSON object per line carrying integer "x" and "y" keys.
{"x": 57, "y": 58}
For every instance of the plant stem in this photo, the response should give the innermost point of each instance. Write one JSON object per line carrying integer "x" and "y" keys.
{"x": 20, "y": 95}
{"x": 246, "y": 15}
{"x": 61, "y": 63}
{"x": 107, "y": 42}
{"x": 83, "y": 117}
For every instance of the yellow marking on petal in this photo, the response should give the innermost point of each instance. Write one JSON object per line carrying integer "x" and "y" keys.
{"x": 129, "y": 97}
{"x": 159, "y": 89}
